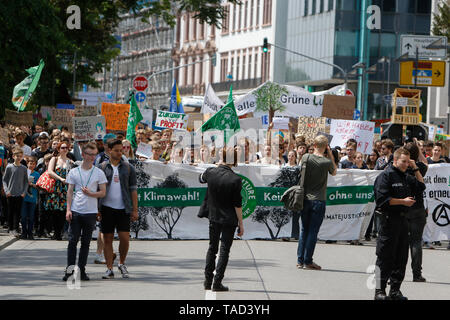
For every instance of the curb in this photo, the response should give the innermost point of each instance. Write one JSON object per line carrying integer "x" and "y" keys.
{"x": 8, "y": 243}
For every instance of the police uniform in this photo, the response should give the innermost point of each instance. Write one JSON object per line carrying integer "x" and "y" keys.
{"x": 393, "y": 241}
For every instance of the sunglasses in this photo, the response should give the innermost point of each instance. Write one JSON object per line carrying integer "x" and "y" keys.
{"x": 126, "y": 147}
{"x": 63, "y": 148}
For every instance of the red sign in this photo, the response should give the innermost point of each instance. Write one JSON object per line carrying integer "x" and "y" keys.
{"x": 140, "y": 83}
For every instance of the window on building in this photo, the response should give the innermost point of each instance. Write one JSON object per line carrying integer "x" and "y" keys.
{"x": 245, "y": 14}
{"x": 389, "y": 5}
{"x": 322, "y": 6}
{"x": 258, "y": 4}
{"x": 226, "y": 20}
{"x": 194, "y": 29}
{"x": 178, "y": 29}
{"x": 202, "y": 31}
{"x": 411, "y": 6}
{"x": 234, "y": 18}
{"x": 249, "y": 65}
{"x": 200, "y": 72}
{"x": 267, "y": 13}
{"x": 243, "y": 66}
{"x": 223, "y": 66}
{"x": 330, "y": 5}
{"x": 238, "y": 69}
{"x": 255, "y": 64}
{"x": 313, "y": 7}
{"x": 252, "y": 9}
{"x": 232, "y": 66}
{"x": 305, "y": 8}
{"x": 424, "y": 6}
{"x": 186, "y": 27}
{"x": 240, "y": 17}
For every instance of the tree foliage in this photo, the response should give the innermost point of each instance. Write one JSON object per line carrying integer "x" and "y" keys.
{"x": 441, "y": 24}
{"x": 35, "y": 29}
{"x": 268, "y": 98}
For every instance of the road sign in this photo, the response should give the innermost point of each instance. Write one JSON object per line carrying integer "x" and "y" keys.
{"x": 357, "y": 115}
{"x": 140, "y": 83}
{"x": 429, "y": 73}
{"x": 140, "y": 97}
{"x": 409, "y": 43}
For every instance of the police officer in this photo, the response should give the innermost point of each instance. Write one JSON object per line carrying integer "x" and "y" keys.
{"x": 395, "y": 193}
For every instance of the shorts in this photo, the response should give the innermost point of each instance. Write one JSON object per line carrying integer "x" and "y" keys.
{"x": 114, "y": 219}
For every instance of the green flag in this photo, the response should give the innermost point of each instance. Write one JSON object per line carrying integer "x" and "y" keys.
{"x": 226, "y": 120}
{"x": 230, "y": 95}
{"x": 23, "y": 91}
{"x": 134, "y": 117}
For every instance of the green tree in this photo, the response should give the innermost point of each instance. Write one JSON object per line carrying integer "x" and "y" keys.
{"x": 268, "y": 98}
{"x": 35, "y": 29}
{"x": 441, "y": 23}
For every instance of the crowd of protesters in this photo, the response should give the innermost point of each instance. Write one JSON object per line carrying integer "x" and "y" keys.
{"x": 31, "y": 151}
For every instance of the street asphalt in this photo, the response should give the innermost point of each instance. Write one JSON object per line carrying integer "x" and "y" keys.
{"x": 173, "y": 270}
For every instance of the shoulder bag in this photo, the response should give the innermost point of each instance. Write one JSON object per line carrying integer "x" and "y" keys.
{"x": 294, "y": 196}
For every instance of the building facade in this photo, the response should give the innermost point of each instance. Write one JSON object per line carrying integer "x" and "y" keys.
{"x": 330, "y": 30}
{"x": 145, "y": 49}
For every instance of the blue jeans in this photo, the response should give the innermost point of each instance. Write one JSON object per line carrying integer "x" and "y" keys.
{"x": 27, "y": 220}
{"x": 312, "y": 216}
{"x": 81, "y": 225}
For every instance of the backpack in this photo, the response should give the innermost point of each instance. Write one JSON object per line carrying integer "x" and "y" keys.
{"x": 293, "y": 197}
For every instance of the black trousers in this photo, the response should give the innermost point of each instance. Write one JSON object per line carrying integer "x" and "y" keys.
{"x": 45, "y": 217}
{"x": 59, "y": 217}
{"x": 392, "y": 250}
{"x": 416, "y": 223}
{"x": 224, "y": 233}
{"x": 14, "y": 212}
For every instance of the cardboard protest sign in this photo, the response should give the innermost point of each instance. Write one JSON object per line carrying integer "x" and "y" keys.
{"x": 63, "y": 118}
{"x": 89, "y": 128}
{"x": 4, "y": 136}
{"x": 147, "y": 115}
{"x": 144, "y": 150}
{"x": 338, "y": 107}
{"x": 19, "y": 118}
{"x": 195, "y": 121}
{"x": 171, "y": 120}
{"x": 85, "y": 111}
{"x": 361, "y": 131}
{"x": 116, "y": 115}
{"x": 309, "y": 127}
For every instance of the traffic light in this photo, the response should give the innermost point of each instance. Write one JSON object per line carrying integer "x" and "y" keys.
{"x": 265, "y": 45}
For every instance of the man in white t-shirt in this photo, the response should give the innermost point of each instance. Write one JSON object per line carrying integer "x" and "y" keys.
{"x": 86, "y": 184}
{"x": 119, "y": 207}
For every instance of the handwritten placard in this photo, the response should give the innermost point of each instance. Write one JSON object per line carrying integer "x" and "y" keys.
{"x": 85, "y": 111}
{"x": 116, "y": 115}
{"x": 171, "y": 120}
{"x": 19, "y": 118}
{"x": 280, "y": 123}
{"x": 89, "y": 128}
{"x": 309, "y": 127}
{"x": 63, "y": 117}
{"x": 4, "y": 136}
{"x": 144, "y": 150}
{"x": 361, "y": 131}
{"x": 338, "y": 107}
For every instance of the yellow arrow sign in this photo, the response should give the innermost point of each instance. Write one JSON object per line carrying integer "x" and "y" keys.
{"x": 429, "y": 73}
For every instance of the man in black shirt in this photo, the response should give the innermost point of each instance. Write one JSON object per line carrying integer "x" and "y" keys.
{"x": 225, "y": 214}
{"x": 42, "y": 150}
{"x": 395, "y": 193}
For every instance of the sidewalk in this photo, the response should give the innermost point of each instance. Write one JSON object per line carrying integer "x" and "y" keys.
{"x": 6, "y": 239}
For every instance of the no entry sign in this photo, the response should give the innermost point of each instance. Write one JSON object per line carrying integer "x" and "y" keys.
{"x": 140, "y": 83}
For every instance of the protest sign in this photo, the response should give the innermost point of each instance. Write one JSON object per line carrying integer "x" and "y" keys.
{"x": 85, "y": 111}
{"x": 211, "y": 103}
{"x": 89, "y": 128}
{"x": 250, "y": 123}
{"x": 4, "y": 136}
{"x": 63, "y": 118}
{"x": 147, "y": 117}
{"x": 116, "y": 115}
{"x": 19, "y": 118}
{"x": 65, "y": 106}
{"x": 46, "y": 112}
{"x": 338, "y": 107}
{"x": 280, "y": 123}
{"x": 361, "y": 131}
{"x": 309, "y": 127}
{"x": 171, "y": 120}
{"x": 195, "y": 121}
{"x": 144, "y": 150}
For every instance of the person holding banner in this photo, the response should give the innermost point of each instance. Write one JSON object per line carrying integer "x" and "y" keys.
{"x": 395, "y": 193}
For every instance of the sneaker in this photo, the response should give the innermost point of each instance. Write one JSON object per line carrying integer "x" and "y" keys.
{"x": 109, "y": 274}
{"x": 219, "y": 287}
{"x": 397, "y": 295}
{"x": 123, "y": 270}
{"x": 99, "y": 259}
{"x": 84, "y": 276}
{"x": 300, "y": 265}
{"x": 67, "y": 275}
{"x": 419, "y": 279}
{"x": 313, "y": 266}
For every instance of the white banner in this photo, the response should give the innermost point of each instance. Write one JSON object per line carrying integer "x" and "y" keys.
{"x": 211, "y": 103}
{"x": 171, "y": 120}
{"x": 361, "y": 131}
{"x": 437, "y": 200}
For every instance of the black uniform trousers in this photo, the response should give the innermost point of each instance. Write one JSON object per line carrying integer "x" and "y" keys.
{"x": 224, "y": 233}
{"x": 392, "y": 250}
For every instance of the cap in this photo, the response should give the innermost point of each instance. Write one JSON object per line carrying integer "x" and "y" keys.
{"x": 109, "y": 136}
{"x": 43, "y": 134}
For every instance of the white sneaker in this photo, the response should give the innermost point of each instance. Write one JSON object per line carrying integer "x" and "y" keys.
{"x": 99, "y": 259}
{"x": 123, "y": 270}
{"x": 109, "y": 274}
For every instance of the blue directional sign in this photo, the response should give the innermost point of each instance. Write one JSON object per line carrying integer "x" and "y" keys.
{"x": 356, "y": 114}
{"x": 423, "y": 73}
{"x": 140, "y": 96}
